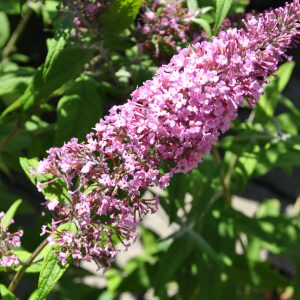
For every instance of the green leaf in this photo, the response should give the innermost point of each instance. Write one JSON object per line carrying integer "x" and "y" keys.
{"x": 13, "y": 83}
{"x": 23, "y": 255}
{"x": 51, "y": 272}
{"x": 4, "y": 29}
{"x": 34, "y": 295}
{"x": 78, "y": 111}
{"x": 203, "y": 245}
{"x": 290, "y": 106}
{"x": 10, "y": 6}
{"x": 62, "y": 64}
{"x": 55, "y": 48}
{"x": 6, "y": 294}
{"x": 171, "y": 261}
{"x": 192, "y": 6}
{"x": 289, "y": 122}
{"x": 55, "y": 191}
{"x": 284, "y": 74}
{"x": 246, "y": 162}
{"x": 120, "y": 15}
{"x": 268, "y": 101}
{"x": 5, "y": 221}
{"x": 222, "y": 9}
{"x": 205, "y": 25}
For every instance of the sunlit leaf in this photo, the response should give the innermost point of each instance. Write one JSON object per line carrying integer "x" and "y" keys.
{"x": 222, "y": 9}
{"x": 9, "y": 215}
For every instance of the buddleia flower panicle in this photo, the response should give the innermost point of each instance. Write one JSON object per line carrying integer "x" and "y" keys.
{"x": 164, "y": 28}
{"x": 171, "y": 121}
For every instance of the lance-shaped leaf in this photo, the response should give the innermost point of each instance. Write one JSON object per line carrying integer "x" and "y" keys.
{"x": 6, "y": 294}
{"x": 51, "y": 272}
{"x": 222, "y": 9}
{"x": 52, "y": 269}
{"x": 5, "y": 221}
{"x": 120, "y": 15}
{"x": 62, "y": 64}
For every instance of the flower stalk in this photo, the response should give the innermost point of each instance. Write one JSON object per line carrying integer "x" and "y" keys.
{"x": 19, "y": 275}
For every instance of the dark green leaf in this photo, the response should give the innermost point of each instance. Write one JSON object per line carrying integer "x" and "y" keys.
{"x": 171, "y": 261}
{"x": 203, "y": 245}
{"x": 78, "y": 111}
{"x": 62, "y": 65}
{"x": 120, "y": 15}
{"x": 10, "y": 6}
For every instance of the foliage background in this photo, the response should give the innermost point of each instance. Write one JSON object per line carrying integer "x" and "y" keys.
{"x": 52, "y": 88}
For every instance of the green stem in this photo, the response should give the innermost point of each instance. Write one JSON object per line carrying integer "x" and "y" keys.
{"x": 16, "y": 34}
{"x": 19, "y": 275}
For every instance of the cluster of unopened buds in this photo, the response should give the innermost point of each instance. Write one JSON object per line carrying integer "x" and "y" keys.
{"x": 166, "y": 127}
{"x": 164, "y": 27}
{"x": 8, "y": 242}
{"x": 85, "y": 14}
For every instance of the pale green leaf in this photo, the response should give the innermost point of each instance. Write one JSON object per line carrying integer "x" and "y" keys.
{"x": 23, "y": 255}
{"x": 6, "y": 294}
{"x": 222, "y": 9}
{"x": 34, "y": 295}
{"x": 268, "y": 101}
{"x": 192, "y": 6}
{"x": 5, "y": 221}
{"x": 284, "y": 74}
{"x": 205, "y": 25}
{"x": 4, "y": 29}
{"x": 55, "y": 47}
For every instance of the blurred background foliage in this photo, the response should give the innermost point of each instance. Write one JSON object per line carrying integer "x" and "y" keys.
{"x": 55, "y": 83}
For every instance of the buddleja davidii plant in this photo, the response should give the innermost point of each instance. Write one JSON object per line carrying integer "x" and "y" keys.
{"x": 105, "y": 176}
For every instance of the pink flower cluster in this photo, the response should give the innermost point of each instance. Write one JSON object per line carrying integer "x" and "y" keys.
{"x": 104, "y": 178}
{"x": 164, "y": 27}
{"x": 8, "y": 241}
{"x": 166, "y": 127}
